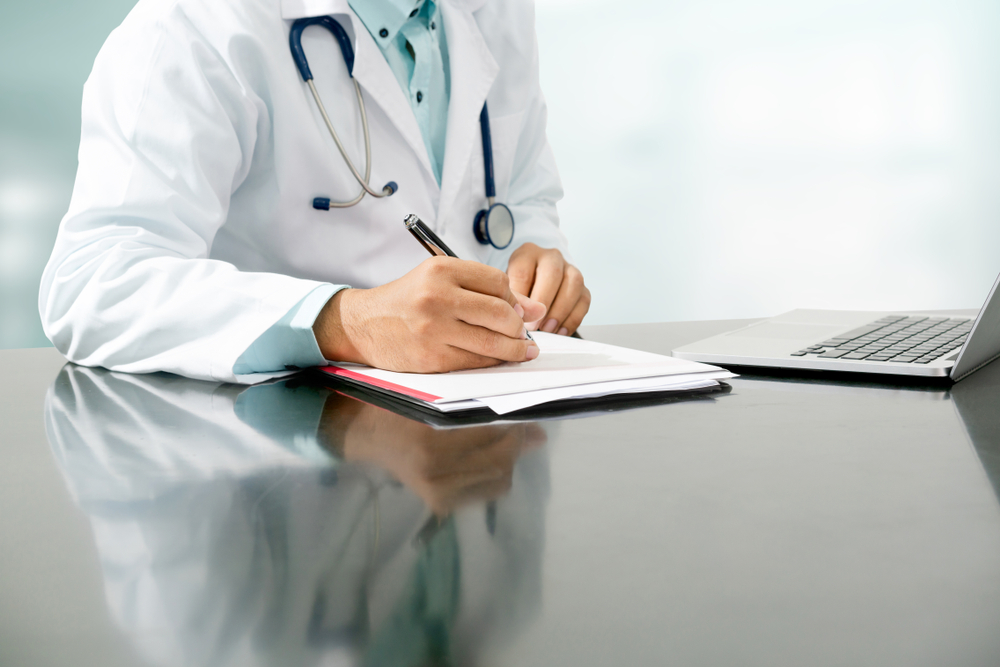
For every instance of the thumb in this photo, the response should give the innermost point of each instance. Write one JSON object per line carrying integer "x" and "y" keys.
{"x": 533, "y": 310}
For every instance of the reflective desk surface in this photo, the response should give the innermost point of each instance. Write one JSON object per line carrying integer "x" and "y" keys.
{"x": 153, "y": 520}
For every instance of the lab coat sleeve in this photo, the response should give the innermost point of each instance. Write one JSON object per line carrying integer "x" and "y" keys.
{"x": 290, "y": 342}
{"x": 168, "y": 133}
{"x": 535, "y": 186}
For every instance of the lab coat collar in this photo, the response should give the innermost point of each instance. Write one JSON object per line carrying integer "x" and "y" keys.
{"x": 473, "y": 71}
{"x": 371, "y": 71}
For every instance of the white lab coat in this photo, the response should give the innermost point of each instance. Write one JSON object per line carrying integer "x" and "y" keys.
{"x": 191, "y": 231}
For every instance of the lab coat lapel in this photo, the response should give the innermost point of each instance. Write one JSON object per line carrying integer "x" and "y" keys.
{"x": 377, "y": 80}
{"x": 378, "y": 83}
{"x": 473, "y": 71}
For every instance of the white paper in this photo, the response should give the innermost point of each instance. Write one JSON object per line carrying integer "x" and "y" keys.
{"x": 563, "y": 362}
{"x": 511, "y": 402}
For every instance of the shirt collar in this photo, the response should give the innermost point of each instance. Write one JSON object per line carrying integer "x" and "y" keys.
{"x": 385, "y": 18}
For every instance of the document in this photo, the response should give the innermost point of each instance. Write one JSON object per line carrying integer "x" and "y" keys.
{"x": 566, "y": 368}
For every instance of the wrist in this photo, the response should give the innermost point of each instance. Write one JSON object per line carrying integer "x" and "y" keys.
{"x": 329, "y": 328}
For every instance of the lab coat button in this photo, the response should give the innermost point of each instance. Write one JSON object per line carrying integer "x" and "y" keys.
{"x": 383, "y": 33}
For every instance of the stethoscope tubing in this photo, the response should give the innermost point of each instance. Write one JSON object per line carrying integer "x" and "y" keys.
{"x": 302, "y": 62}
{"x": 368, "y": 146}
{"x": 484, "y": 127}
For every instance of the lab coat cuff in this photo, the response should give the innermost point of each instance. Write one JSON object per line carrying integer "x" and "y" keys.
{"x": 289, "y": 344}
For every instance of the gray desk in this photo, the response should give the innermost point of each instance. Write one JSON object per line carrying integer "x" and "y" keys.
{"x": 787, "y": 522}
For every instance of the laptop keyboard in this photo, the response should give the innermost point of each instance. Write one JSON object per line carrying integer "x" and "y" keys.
{"x": 909, "y": 340}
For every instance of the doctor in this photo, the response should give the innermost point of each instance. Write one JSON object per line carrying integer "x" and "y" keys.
{"x": 191, "y": 244}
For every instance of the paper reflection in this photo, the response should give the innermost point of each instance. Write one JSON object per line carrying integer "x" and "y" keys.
{"x": 287, "y": 524}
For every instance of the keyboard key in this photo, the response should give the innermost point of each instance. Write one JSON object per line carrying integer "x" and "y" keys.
{"x": 856, "y": 355}
{"x": 833, "y": 354}
{"x": 800, "y": 353}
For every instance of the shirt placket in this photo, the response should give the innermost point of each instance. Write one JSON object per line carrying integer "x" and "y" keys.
{"x": 420, "y": 82}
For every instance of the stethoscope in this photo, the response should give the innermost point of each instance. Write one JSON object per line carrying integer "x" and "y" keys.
{"x": 493, "y": 225}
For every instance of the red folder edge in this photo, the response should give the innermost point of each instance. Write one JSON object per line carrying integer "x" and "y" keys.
{"x": 381, "y": 384}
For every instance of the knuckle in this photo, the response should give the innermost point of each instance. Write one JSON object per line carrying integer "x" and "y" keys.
{"x": 437, "y": 267}
{"x": 501, "y": 281}
{"x": 423, "y": 298}
{"x": 574, "y": 276}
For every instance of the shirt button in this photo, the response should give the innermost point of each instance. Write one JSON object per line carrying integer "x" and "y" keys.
{"x": 414, "y": 13}
{"x": 420, "y": 97}
{"x": 383, "y": 33}
{"x": 433, "y": 25}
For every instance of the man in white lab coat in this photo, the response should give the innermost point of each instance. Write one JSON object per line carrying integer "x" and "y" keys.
{"x": 191, "y": 245}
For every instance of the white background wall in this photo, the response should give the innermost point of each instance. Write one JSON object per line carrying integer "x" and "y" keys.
{"x": 738, "y": 158}
{"x": 722, "y": 158}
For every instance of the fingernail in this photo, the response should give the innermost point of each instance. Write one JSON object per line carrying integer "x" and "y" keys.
{"x": 519, "y": 310}
{"x": 524, "y": 333}
{"x": 563, "y": 331}
{"x": 532, "y": 352}
{"x": 550, "y": 326}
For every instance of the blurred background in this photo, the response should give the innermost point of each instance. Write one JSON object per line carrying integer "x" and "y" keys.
{"x": 721, "y": 158}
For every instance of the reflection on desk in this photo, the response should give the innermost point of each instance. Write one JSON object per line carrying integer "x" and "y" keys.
{"x": 292, "y": 525}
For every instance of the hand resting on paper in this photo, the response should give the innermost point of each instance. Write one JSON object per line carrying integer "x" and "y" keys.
{"x": 447, "y": 314}
{"x": 546, "y": 276}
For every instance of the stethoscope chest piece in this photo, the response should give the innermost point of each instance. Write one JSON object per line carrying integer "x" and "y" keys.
{"x": 494, "y": 226}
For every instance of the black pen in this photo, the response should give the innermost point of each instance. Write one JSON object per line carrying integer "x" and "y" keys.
{"x": 433, "y": 244}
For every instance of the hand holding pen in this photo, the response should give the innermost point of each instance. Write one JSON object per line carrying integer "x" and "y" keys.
{"x": 437, "y": 248}
{"x": 446, "y": 314}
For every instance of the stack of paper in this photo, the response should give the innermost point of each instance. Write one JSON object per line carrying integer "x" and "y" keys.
{"x": 566, "y": 368}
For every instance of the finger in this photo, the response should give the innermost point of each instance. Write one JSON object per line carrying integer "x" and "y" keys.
{"x": 488, "y": 343}
{"x": 521, "y": 268}
{"x": 531, "y": 310}
{"x": 489, "y": 313}
{"x": 456, "y": 359}
{"x": 572, "y": 322}
{"x": 548, "y": 278}
{"x": 566, "y": 299}
{"x": 487, "y": 280}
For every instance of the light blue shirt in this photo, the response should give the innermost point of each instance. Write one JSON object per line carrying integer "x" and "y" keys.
{"x": 410, "y": 34}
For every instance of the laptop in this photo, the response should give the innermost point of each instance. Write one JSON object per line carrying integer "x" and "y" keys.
{"x": 886, "y": 343}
